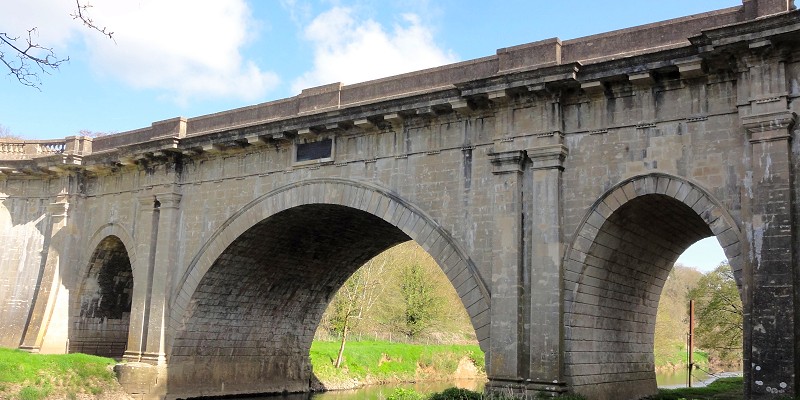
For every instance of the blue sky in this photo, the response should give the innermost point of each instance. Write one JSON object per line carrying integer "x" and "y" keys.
{"x": 187, "y": 58}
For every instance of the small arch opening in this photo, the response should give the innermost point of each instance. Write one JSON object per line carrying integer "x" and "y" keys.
{"x": 101, "y": 312}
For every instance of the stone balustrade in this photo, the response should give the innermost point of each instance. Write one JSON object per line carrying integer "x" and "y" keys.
{"x": 21, "y": 149}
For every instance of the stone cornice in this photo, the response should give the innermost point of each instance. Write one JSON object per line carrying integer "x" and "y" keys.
{"x": 769, "y": 126}
{"x": 58, "y": 209}
{"x": 548, "y": 157}
{"x": 465, "y": 88}
{"x": 505, "y": 162}
{"x": 168, "y": 200}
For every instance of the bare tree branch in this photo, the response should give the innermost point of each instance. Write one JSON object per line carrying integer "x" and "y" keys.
{"x": 26, "y": 59}
{"x": 29, "y": 54}
{"x": 82, "y": 13}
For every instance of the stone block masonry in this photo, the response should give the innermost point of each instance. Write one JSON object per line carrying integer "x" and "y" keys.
{"x": 555, "y": 183}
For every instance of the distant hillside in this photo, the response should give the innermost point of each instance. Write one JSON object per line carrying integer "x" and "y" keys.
{"x": 672, "y": 321}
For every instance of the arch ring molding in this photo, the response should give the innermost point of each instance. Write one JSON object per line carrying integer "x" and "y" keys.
{"x": 380, "y": 202}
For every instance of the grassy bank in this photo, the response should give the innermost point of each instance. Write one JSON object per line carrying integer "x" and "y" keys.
{"x": 463, "y": 394}
{"x": 721, "y": 389}
{"x": 676, "y": 357}
{"x": 28, "y": 376}
{"x": 371, "y": 362}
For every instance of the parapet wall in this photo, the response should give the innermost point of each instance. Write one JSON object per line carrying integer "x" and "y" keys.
{"x": 650, "y": 38}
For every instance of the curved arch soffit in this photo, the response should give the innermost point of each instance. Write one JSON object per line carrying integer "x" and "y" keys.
{"x": 103, "y": 232}
{"x": 692, "y": 194}
{"x": 369, "y": 198}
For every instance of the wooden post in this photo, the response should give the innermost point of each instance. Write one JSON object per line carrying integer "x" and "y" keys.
{"x": 691, "y": 340}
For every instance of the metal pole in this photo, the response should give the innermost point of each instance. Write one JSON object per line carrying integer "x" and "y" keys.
{"x": 691, "y": 340}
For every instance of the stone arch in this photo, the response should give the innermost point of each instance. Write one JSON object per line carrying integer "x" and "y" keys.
{"x": 323, "y": 205}
{"x": 103, "y": 232}
{"x": 100, "y": 309}
{"x": 614, "y": 270}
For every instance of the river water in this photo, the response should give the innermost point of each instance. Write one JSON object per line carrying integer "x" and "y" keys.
{"x": 377, "y": 392}
{"x": 381, "y": 392}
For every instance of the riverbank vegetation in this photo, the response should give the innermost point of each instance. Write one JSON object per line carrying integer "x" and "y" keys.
{"x": 720, "y": 389}
{"x": 464, "y": 394}
{"x": 402, "y": 296}
{"x": 28, "y": 376}
{"x": 718, "y": 320}
{"x": 373, "y": 362}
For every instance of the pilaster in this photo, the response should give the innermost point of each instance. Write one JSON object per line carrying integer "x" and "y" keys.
{"x": 145, "y": 373}
{"x": 546, "y": 252}
{"x": 769, "y": 289}
{"x": 769, "y": 278}
{"x": 506, "y": 281}
{"x": 145, "y": 237}
{"x": 46, "y": 292}
{"x": 164, "y": 265}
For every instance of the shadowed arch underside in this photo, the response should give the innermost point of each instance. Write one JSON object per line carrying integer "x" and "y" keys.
{"x": 252, "y": 318}
{"x": 100, "y": 313}
{"x": 614, "y": 274}
{"x": 250, "y": 301}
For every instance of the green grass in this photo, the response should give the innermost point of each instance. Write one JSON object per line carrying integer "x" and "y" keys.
{"x": 721, "y": 389}
{"x": 464, "y": 394}
{"x": 39, "y": 375}
{"x": 379, "y": 361}
{"x": 676, "y": 355}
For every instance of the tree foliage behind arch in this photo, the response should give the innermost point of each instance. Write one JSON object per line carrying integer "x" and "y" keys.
{"x": 718, "y": 309}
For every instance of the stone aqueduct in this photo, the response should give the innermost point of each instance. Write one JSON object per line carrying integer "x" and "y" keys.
{"x": 555, "y": 183}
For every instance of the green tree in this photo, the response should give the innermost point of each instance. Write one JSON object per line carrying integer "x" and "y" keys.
{"x": 420, "y": 300}
{"x": 385, "y": 315}
{"x": 718, "y": 308}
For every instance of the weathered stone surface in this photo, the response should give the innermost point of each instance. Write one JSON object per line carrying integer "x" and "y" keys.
{"x": 555, "y": 183}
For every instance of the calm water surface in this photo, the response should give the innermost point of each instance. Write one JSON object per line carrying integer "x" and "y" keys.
{"x": 378, "y": 392}
{"x": 678, "y": 379}
{"x": 381, "y": 392}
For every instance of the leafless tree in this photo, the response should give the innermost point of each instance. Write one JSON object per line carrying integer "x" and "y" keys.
{"x": 5, "y": 133}
{"x": 25, "y": 58}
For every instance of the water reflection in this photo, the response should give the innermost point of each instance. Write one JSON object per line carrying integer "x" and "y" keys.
{"x": 678, "y": 379}
{"x": 377, "y": 392}
{"x": 381, "y": 392}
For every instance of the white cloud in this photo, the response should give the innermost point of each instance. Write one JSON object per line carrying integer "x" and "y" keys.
{"x": 349, "y": 50}
{"x": 54, "y": 26}
{"x": 186, "y": 48}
